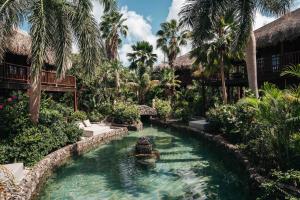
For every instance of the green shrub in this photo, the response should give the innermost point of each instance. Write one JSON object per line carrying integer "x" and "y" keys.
{"x": 95, "y": 117}
{"x": 25, "y": 142}
{"x": 125, "y": 113}
{"x": 183, "y": 111}
{"x": 78, "y": 116}
{"x": 73, "y": 133}
{"x": 163, "y": 109}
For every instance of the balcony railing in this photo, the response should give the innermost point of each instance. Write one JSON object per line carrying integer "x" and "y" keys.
{"x": 20, "y": 74}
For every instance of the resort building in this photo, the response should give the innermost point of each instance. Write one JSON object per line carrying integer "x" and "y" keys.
{"x": 278, "y": 46}
{"x": 15, "y": 69}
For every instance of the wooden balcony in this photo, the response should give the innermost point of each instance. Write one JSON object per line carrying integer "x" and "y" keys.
{"x": 14, "y": 76}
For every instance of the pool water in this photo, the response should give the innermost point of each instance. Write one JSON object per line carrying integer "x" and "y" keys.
{"x": 187, "y": 169}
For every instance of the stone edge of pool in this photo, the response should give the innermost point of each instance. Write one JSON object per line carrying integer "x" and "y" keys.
{"x": 255, "y": 179}
{"x": 38, "y": 174}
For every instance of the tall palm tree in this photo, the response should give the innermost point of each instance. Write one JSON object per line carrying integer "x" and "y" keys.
{"x": 142, "y": 60}
{"x": 54, "y": 25}
{"x": 112, "y": 28}
{"x": 170, "y": 39}
{"x": 200, "y": 14}
{"x": 216, "y": 51}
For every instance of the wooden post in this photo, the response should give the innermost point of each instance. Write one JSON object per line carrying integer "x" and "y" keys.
{"x": 75, "y": 101}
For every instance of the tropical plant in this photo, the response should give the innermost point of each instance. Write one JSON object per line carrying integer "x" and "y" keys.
{"x": 200, "y": 15}
{"x": 112, "y": 28}
{"x": 163, "y": 108}
{"x": 125, "y": 113}
{"x": 216, "y": 51}
{"x": 293, "y": 70}
{"x": 142, "y": 60}
{"x": 170, "y": 39}
{"x": 53, "y": 26}
{"x": 169, "y": 82}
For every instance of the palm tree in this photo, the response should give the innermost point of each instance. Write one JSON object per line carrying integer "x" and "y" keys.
{"x": 216, "y": 52}
{"x": 170, "y": 38}
{"x": 54, "y": 25}
{"x": 142, "y": 60}
{"x": 112, "y": 28}
{"x": 200, "y": 14}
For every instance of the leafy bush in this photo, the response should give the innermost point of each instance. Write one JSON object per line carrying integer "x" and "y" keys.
{"x": 183, "y": 111}
{"x": 163, "y": 108}
{"x": 78, "y": 116}
{"x": 125, "y": 113}
{"x": 28, "y": 143}
{"x": 95, "y": 117}
{"x": 272, "y": 189}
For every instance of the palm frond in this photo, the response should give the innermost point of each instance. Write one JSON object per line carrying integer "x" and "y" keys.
{"x": 293, "y": 70}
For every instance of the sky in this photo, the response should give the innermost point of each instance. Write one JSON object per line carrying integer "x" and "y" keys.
{"x": 145, "y": 16}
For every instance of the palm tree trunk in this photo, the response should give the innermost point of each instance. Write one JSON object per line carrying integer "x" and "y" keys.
{"x": 224, "y": 90}
{"x": 251, "y": 63}
{"x": 35, "y": 98}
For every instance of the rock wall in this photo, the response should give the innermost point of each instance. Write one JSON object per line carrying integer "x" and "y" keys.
{"x": 36, "y": 177}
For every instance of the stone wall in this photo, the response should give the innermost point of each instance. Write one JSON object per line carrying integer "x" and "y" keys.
{"x": 36, "y": 177}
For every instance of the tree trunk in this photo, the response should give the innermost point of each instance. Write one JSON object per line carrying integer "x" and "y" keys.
{"x": 35, "y": 98}
{"x": 224, "y": 90}
{"x": 251, "y": 63}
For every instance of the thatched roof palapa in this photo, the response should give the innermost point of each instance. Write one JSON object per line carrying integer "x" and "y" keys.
{"x": 286, "y": 27}
{"x": 181, "y": 62}
{"x": 20, "y": 44}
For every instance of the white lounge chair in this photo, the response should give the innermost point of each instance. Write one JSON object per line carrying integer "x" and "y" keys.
{"x": 90, "y": 130}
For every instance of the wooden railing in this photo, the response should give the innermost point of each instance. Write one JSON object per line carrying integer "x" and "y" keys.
{"x": 272, "y": 66}
{"x": 20, "y": 74}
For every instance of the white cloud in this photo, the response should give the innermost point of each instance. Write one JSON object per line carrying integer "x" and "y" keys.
{"x": 175, "y": 9}
{"x": 261, "y": 20}
{"x": 98, "y": 10}
{"x": 139, "y": 29}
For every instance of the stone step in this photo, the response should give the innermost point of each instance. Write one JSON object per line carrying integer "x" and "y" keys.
{"x": 199, "y": 124}
{"x": 17, "y": 170}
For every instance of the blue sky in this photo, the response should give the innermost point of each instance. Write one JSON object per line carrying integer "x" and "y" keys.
{"x": 155, "y": 10}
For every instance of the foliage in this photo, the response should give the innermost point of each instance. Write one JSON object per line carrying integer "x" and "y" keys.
{"x": 95, "y": 116}
{"x": 183, "y": 111}
{"x": 28, "y": 143}
{"x": 125, "y": 113}
{"x": 163, "y": 108}
{"x": 273, "y": 188}
{"x": 170, "y": 39}
{"x": 78, "y": 116}
{"x": 142, "y": 60}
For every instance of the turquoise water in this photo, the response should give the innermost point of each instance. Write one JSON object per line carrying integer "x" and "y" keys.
{"x": 187, "y": 169}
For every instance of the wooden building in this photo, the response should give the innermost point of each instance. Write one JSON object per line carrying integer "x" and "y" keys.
{"x": 278, "y": 46}
{"x": 15, "y": 69}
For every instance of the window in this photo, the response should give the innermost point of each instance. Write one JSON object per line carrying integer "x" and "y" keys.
{"x": 260, "y": 64}
{"x": 275, "y": 63}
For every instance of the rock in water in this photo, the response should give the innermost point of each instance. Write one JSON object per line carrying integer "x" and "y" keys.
{"x": 143, "y": 146}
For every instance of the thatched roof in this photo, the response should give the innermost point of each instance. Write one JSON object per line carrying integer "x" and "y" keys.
{"x": 20, "y": 44}
{"x": 181, "y": 62}
{"x": 286, "y": 27}
{"x": 147, "y": 111}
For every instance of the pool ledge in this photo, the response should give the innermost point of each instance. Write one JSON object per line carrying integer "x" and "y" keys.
{"x": 255, "y": 179}
{"x": 38, "y": 174}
